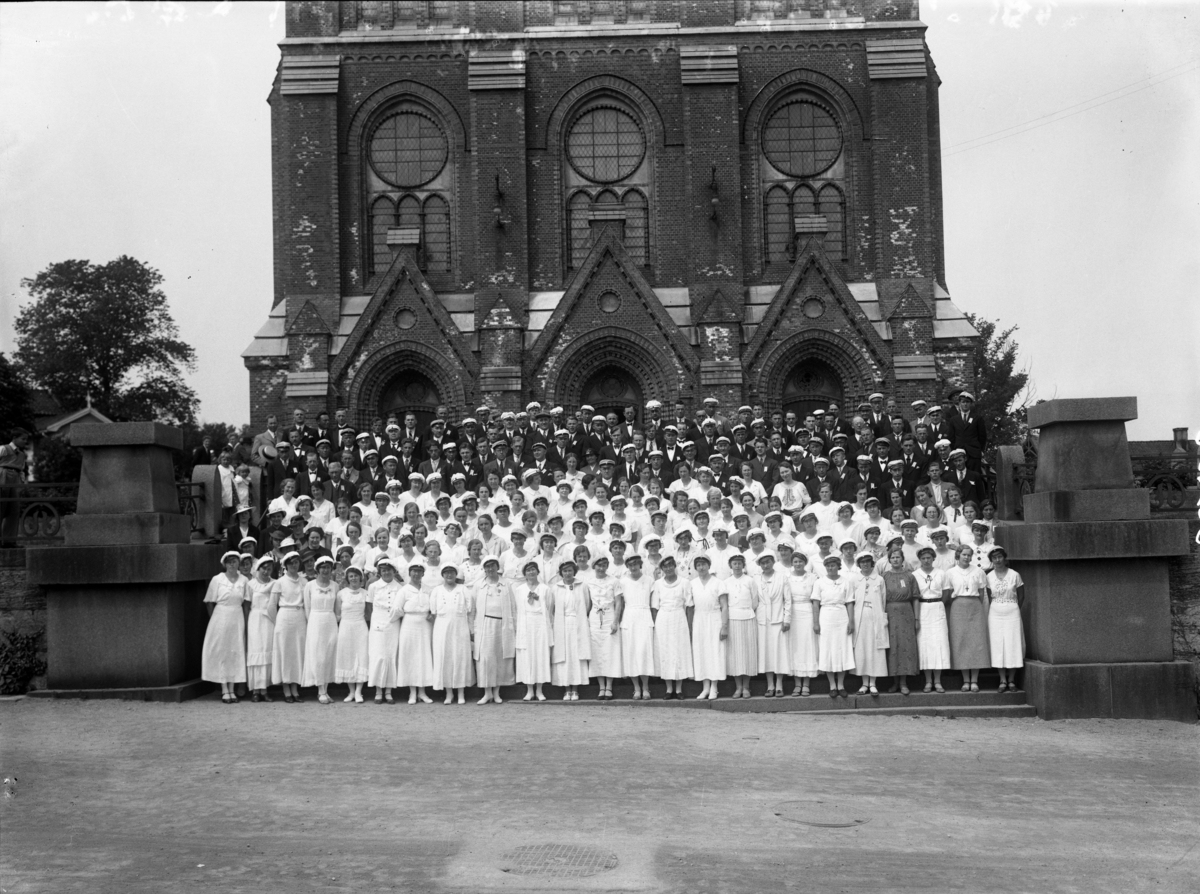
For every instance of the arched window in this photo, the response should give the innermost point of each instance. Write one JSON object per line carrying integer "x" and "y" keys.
{"x": 607, "y": 176}
{"x": 409, "y": 176}
{"x": 802, "y": 158}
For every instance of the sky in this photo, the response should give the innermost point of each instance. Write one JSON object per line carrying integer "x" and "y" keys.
{"x": 1071, "y": 178}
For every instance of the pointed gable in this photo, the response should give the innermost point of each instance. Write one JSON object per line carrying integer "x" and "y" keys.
{"x": 814, "y": 277}
{"x": 717, "y": 308}
{"x": 404, "y": 307}
{"x": 608, "y": 267}
{"x": 307, "y": 321}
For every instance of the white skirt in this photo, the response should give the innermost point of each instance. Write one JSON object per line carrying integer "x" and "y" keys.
{"x": 869, "y": 659}
{"x": 353, "y": 652}
{"x": 224, "y": 657}
{"x": 606, "y": 645}
{"x": 453, "y": 666}
{"x": 710, "y": 653}
{"x": 287, "y": 656}
{"x": 320, "y": 649}
{"x": 1006, "y": 635}
{"x": 415, "y": 664}
{"x": 742, "y": 648}
{"x": 773, "y": 650}
{"x": 637, "y": 643}
{"x": 933, "y": 639}
{"x": 533, "y": 663}
{"x": 673, "y": 644}
{"x": 835, "y": 645}
{"x": 804, "y": 649}
{"x": 260, "y": 636}
{"x": 381, "y": 655}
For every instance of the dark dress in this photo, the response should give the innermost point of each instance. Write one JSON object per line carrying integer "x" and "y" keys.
{"x": 900, "y": 587}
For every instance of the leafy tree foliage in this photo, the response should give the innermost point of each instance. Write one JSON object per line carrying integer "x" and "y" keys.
{"x": 16, "y": 407}
{"x": 105, "y": 330}
{"x": 1002, "y": 391}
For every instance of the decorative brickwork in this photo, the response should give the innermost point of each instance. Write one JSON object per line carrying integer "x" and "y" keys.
{"x": 682, "y": 275}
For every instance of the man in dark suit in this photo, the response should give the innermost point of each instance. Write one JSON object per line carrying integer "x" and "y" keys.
{"x": 339, "y": 486}
{"x": 820, "y": 478}
{"x": 969, "y": 483}
{"x": 722, "y": 472}
{"x": 879, "y": 462}
{"x": 501, "y": 462}
{"x": 740, "y": 449}
{"x": 311, "y": 478}
{"x": 766, "y": 470}
{"x": 411, "y": 429}
{"x": 468, "y": 465}
{"x": 863, "y": 466}
{"x": 627, "y": 465}
{"x": 895, "y": 436}
{"x": 323, "y": 430}
{"x": 436, "y": 463}
{"x": 914, "y": 464}
{"x": 706, "y": 444}
{"x": 279, "y": 469}
{"x": 968, "y": 431}
{"x": 542, "y": 463}
{"x": 899, "y": 484}
{"x": 845, "y": 475}
{"x": 202, "y": 455}
{"x": 557, "y": 453}
{"x": 307, "y": 435}
{"x": 840, "y": 423}
{"x": 938, "y": 427}
{"x": 881, "y": 424}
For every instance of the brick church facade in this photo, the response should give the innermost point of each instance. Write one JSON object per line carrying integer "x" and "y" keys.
{"x": 604, "y": 203}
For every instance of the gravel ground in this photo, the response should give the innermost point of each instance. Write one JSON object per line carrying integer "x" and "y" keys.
{"x": 131, "y": 797}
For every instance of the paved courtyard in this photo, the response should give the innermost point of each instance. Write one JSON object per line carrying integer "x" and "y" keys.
{"x": 131, "y": 797}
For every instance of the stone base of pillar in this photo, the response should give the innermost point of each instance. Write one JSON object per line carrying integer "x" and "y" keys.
{"x": 1143, "y": 690}
{"x": 180, "y": 692}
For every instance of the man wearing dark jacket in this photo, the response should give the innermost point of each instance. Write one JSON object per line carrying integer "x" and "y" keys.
{"x": 968, "y": 431}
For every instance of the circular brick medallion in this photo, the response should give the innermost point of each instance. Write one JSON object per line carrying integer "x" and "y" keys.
{"x": 813, "y": 308}
{"x": 610, "y": 302}
{"x": 559, "y": 860}
{"x": 405, "y": 319}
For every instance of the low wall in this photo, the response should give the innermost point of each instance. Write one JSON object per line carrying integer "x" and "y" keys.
{"x": 22, "y": 607}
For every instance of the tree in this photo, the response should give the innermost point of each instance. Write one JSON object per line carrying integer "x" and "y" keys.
{"x": 16, "y": 405}
{"x": 104, "y": 330}
{"x": 1002, "y": 392}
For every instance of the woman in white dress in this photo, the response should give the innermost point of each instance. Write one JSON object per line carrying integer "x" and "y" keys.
{"x": 223, "y": 659}
{"x": 834, "y": 624}
{"x": 352, "y": 661}
{"x": 670, "y": 600}
{"x": 453, "y": 606}
{"x": 870, "y": 625}
{"x": 933, "y": 639}
{"x": 710, "y": 627}
{"x": 742, "y": 648}
{"x": 572, "y": 649}
{"x": 534, "y": 630}
{"x": 774, "y": 618}
{"x": 414, "y": 668}
{"x": 385, "y": 604}
{"x": 803, "y": 645}
{"x": 321, "y": 635}
{"x": 1005, "y": 634}
{"x": 495, "y": 632}
{"x": 260, "y": 630}
{"x": 637, "y": 629}
{"x": 287, "y": 650}
{"x": 605, "y": 623}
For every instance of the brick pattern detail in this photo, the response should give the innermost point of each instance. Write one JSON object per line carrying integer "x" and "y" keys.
{"x": 505, "y": 245}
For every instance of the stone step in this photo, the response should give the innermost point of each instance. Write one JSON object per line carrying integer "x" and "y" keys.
{"x": 949, "y": 711}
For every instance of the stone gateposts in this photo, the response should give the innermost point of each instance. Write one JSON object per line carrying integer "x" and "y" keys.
{"x": 1097, "y": 611}
{"x": 124, "y": 610}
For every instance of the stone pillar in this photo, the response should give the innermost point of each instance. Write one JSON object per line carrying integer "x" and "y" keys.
{"x": 124, "y": 596}
{"x": 1097, "y": 609}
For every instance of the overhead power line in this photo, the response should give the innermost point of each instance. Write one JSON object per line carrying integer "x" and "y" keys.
{"x": 1070, "y": 111}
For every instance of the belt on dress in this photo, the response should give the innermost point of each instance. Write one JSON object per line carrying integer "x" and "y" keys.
{"x": 929, "y": 600}
{"x": 495, "y": 617}
{"x": 968, "y": 596}
{"x": 291, "y": 606}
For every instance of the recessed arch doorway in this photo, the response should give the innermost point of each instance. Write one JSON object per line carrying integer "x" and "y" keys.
{"x": 611, "y": 389}
{"x": 812, "y": 384}
{"x": 410, "y": 391}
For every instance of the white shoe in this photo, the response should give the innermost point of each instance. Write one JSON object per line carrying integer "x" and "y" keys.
{"x": 348, "y": 699}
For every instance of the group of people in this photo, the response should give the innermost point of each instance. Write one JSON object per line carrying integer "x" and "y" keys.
{"x": 545, "y": 547}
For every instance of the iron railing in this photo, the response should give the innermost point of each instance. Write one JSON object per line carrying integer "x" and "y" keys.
{"x": 1168, "y": 478}
{"x": 41, "y": 507}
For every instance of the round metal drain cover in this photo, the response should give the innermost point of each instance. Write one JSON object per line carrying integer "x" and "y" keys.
{"x": 822, "y": 814}
{"x": 559, "y": 860}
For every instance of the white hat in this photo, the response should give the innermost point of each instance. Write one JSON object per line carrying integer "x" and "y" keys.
{"x": 878, "y": 395}
{"x": 967, "y": 394}
{"x": 653, "y": 405}
{"x": 919, "y": 403}
{"x": 231, "y": 552}
{"x": 712, "y": 400}
{"x": 941, "y": 443}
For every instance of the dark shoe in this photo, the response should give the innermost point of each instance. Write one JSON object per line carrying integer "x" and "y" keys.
{"x": 297, "y": 699}
{"x": 288, "y": 699}
{"x": 254, "y": 697}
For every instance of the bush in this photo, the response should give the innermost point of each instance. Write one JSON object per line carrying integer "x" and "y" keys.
{"x": 19, "y": 662}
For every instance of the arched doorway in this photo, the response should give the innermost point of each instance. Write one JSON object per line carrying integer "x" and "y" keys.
{"x": 812, "y": 384}
{"x": 410, "y": 392}
{"x": 611, "y": 389}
